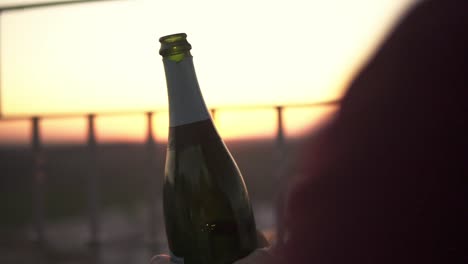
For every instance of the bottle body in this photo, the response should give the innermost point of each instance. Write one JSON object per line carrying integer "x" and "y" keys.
{"x": 207, "y": 210}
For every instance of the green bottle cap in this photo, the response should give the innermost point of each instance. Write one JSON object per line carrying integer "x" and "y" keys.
{"x": 175, "y": 46}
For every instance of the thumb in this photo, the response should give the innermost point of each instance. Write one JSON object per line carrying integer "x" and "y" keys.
{"x": 259, "y": 256}
{"x": 161, "y": 259}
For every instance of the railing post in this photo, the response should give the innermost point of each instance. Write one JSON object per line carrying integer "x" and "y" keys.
{"x": 279, "y": 158}
{"x": 151, "y": 179}
{"x": 39, "y": 178}
{"x": 213, "y": 114}
{"x": 280, "y": 129}
{"x": 281, "y": 171}
{"x": 93, "y": 189}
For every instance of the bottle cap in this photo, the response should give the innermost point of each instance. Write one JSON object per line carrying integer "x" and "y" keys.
{"x": 174, "y": 44}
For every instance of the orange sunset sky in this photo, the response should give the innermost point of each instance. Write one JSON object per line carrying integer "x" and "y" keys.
{"x": 103, "y": 57}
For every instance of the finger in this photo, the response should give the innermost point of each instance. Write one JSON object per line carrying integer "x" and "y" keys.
{"x": 259, "y": 256}
{"x": 262, "y": 240}
{"x": 161, "y": 259}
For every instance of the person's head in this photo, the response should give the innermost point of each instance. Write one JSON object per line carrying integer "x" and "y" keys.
{"x": 387, "y": 181}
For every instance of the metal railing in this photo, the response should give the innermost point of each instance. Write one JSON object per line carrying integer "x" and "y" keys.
{"x": 92, "y": 189}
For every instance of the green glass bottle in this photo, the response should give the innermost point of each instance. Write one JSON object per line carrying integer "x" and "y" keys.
{"x": 207, "y": 210}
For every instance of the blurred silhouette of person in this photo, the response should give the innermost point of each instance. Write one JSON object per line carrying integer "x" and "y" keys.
{"x": 386, "y": 181}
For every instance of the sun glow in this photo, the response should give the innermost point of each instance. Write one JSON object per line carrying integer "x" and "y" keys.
{"x": 102, "y": 57}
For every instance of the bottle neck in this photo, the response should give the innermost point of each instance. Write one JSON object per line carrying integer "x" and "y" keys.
{"x": 186, "y": 104}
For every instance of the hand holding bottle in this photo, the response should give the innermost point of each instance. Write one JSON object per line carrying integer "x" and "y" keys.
{"x": 161, "y": 259}
{"x": 261, "y": 255}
